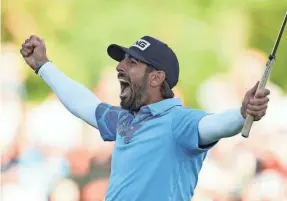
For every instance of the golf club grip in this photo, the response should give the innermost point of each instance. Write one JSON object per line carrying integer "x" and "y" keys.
{"x": 247, "y": 126}
{"x": 249, "y": 118}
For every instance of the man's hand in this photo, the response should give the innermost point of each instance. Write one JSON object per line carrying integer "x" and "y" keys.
{"x": 255, "y": 104}
{"x": 34, "y": 52}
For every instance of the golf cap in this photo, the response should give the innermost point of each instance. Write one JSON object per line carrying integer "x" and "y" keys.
{"x": 153, "y": 52}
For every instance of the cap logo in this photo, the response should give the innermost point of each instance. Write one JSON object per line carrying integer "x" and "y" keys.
{"x": 141, "y": 44}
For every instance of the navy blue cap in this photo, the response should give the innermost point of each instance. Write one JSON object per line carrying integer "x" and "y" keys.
{"x": 153, "y": 52}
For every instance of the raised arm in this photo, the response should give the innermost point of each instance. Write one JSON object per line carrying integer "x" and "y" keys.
{"x": 79, "y": 100}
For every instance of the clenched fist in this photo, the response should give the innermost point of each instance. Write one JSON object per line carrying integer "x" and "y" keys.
{"x": 255, "y": 103}
{"x": 34, "y": 52}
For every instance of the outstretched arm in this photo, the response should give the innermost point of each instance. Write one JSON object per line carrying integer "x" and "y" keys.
{"x": 220, "y": 125}
{"x": 213, "y": 127}
{"x": 79, "y": 100}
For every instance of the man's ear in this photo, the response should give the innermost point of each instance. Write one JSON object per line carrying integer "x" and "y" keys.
{"x": 156, "y": 78}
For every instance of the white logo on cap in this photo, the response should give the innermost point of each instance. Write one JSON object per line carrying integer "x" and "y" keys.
{"x": 141, "y": 44}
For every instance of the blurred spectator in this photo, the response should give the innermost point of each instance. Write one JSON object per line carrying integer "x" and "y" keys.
{"x": 12, "y": 95}
{"x": 268, "y": 186}
{"x": 50, "y": 124}
{"x": 65, "y": 190}
{"x": 38, "y": 173}
{"x": 15, "y": 192}
{"x": 79, "y": 160}
{"x": 200, "y": 195}
{"x": 10, "y": 161}
{"x": 95, "y": 191}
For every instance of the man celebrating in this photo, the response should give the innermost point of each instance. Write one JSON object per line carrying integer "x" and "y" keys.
{"x": 160, "y": 145}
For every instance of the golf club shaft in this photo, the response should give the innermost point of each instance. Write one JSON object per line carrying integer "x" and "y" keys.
{"x": 249, "y": 119}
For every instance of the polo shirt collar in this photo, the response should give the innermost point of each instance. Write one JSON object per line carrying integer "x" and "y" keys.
{"x": 164, "y": 105}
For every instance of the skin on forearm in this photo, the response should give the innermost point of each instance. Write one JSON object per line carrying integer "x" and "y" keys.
{"x": 213, "y": 127}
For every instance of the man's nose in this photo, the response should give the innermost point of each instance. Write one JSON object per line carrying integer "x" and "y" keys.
{"x": 122, "y": 66}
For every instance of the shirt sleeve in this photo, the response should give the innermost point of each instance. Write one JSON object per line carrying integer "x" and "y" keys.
{"x": 186, "y": 134}
{"x": 220, "y": 125}
{"x": 108, "y": 117}
{"x": 78, "y": 99}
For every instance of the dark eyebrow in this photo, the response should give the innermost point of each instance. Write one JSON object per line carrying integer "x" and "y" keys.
{"x": 128, "y": 56}
{"x": 135, "y": 59}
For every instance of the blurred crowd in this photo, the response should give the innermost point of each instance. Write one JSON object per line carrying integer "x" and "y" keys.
{"x": 50, "y": 155}
{"x": 239, "y": 169}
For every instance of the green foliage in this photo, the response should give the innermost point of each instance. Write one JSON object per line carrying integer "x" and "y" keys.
{"x": 201, "y": 32}
{"x": 265, "y": 29}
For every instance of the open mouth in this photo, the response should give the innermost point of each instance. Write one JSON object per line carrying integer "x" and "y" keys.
{"x": 125, "y": 88}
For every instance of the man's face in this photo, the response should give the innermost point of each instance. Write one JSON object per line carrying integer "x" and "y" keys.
{"x": 133, "y": 79}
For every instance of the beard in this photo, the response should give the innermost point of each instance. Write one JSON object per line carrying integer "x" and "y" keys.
{"x": 133, "y": 96}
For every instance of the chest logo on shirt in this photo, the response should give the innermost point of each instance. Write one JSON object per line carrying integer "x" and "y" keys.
{"x": 128, "y": 132}
{"x": 127, "y": 128}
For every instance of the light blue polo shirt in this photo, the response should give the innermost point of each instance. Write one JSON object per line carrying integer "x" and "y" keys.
{"x": 156, "y": 155}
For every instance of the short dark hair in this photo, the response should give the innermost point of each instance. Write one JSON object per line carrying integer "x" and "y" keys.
{"x": 165, "y": 89}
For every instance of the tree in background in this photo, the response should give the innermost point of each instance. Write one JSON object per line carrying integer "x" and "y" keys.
{"x": 206, "y": 34}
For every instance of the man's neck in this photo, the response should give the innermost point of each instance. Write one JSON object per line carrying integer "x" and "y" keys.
{"x": 149, "y": 102}
{"x": 154, "y": 100}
